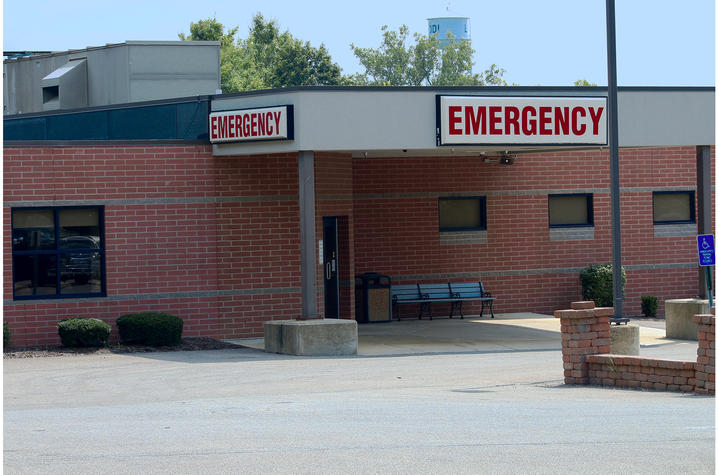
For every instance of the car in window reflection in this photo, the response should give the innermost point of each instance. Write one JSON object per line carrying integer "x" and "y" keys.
{"x": 80, "y": 242}
{"x": 80, "y": 266}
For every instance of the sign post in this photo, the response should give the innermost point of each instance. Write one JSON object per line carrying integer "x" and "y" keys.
{"x": 706, "y": 259}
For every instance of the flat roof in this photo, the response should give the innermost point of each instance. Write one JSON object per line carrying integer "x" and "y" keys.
{"x": 49, "y": 54}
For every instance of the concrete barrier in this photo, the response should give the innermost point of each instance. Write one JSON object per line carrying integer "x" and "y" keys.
{"x": 321, "y": 337}
{"x": 679, "y": 317}
{"x": 625, "y": 339}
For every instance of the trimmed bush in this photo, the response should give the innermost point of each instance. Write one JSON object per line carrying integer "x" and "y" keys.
{"x": 597, "y": 284}
{"x": 150, "y": 328}
{"x": 6, "y": 334}
{"x": 649, "y": 305}
{"x": 82, "y": 332}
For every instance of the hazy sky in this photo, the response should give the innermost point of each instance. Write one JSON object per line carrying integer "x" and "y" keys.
{"x": 548, "y": 42}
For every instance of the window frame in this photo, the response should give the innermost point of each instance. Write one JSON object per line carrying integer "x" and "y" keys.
{"x": 58, "y": 252}
{"x": 692, "y": 207}
{"x": 589, "y": 210}
{"x": 482, "y": 210}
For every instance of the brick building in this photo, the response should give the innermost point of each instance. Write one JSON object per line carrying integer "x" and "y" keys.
{"x": 230, "y": 222}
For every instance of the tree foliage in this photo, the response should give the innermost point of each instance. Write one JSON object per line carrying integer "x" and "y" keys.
{"x": 397, "y": 63}
{"x": 266, "y": 58}
{"x": 583, "y": 82}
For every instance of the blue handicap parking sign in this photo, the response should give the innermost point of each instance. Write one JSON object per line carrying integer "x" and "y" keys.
{"x": 706, "y": 250}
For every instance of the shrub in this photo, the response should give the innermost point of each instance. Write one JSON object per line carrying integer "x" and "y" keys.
{"x": 597, "y": 284}
{"x": 81, "y": 332}
{"x": 649, "y": 305}
{"x": 150, "y": 328}
{"x": 6, "y": 334}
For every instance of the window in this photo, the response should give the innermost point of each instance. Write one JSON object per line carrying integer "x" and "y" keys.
{"x": 57, "y": 252}
{"x": 674, "y": 207}
{"x": 570, "y": 210}
{"x": 462, "y": 214}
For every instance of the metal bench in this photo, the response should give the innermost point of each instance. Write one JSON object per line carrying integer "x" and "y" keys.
{"x": 404, "y": 294}
{"x": 455, "y": 294}
{"x": 472, "y": 291}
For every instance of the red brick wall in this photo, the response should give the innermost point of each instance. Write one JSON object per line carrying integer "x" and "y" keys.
{"x": 663, "y": 375}
{"x": 641, "y": 373}
{"x": 585, "y": 331}
{"x": 214, "y": 240}
{"x": 586, "y": 345}
{"x": 396, "y": 224}
{"x": 706, "y": 362}
{"x": 333, "y": 194}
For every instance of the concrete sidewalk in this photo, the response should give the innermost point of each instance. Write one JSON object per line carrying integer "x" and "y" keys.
{"x": 507, "y": 332}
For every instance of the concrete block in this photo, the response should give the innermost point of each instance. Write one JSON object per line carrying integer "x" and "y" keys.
{"x": 625, "y": 339}
{"x": 679, "y": 317}
{"x": 321, "y": 337}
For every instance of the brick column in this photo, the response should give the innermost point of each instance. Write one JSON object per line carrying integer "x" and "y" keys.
{"x": 585, "y": 330}
{"x": 705, "y": 365}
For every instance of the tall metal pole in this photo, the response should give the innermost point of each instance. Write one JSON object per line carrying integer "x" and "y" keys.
{"x": 613, "y": 146}
{"x": 704, "y": 217}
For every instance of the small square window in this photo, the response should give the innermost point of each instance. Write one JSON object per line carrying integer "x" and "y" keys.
{"x": 570, "y": 210}
{"x": 673, "y": 207}
{"x": 462, "y": 214}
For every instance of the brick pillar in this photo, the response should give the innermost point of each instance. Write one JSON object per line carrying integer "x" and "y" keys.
{"x": 585, "y": 330}
{"x": 705, "y": 365}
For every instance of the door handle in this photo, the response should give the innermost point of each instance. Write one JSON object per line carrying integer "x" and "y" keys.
{"x": 329, "y": 270}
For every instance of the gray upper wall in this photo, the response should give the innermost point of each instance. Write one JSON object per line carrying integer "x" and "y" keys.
{"x": 128, "y": 72}
{"x": 387, "y": 121}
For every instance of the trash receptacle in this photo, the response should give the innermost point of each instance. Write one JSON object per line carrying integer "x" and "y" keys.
{"x": 373, "y": 297}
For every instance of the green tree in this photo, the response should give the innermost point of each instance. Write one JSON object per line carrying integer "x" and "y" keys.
{"x": 397, "y": 63}
{"x": 266, "y": 58}
{"x": 583, "y": 82}
{"x": 210, "y": 30}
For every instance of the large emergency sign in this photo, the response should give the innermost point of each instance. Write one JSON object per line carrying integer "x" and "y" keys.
{"x": 248, "y": 125}
{"x": 476, "y": 120}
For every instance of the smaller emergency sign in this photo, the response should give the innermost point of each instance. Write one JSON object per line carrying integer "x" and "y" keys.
{"x": 250, "y": 125}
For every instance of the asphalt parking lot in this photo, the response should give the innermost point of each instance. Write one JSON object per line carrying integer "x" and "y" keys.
{"x": 416, "y": 407}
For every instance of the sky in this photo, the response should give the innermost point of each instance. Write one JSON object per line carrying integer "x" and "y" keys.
{"x": 547, "y": 43}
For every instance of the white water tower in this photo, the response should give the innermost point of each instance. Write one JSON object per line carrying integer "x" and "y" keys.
{"x": 458, "y": 26}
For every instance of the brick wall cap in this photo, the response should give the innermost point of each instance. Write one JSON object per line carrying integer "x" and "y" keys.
{"x": 583, "y": 305}
{"x": 704, "y": 319}
{"x": 604, "y": 311}
{"x": 574, "y": 313}
{"x": 623, "y": 360}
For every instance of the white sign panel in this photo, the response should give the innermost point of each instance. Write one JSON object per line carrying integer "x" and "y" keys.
{"x": 476, "y": 120}
{"x": 249, "y": 125}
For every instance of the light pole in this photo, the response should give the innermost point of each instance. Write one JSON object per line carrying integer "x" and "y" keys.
{"x": 613, "y": 147}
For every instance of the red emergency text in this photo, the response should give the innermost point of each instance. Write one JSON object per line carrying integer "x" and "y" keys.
{"x": 246, "y": 125}
{"x": 526, "y": 120}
